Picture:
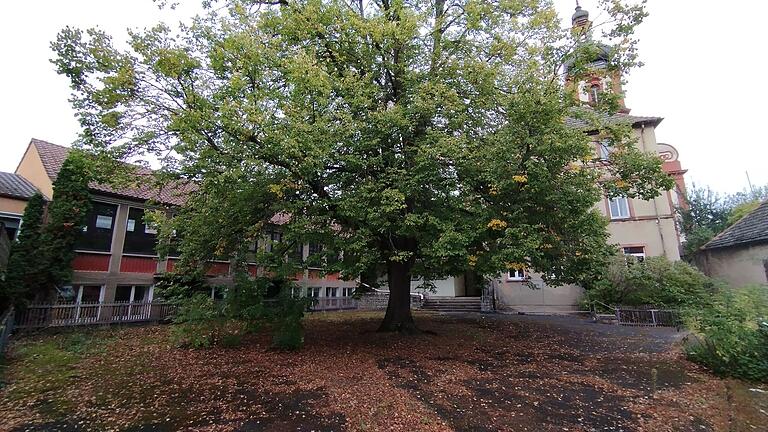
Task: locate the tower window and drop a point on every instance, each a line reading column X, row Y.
column 594, row 93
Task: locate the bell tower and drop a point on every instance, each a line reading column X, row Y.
column 598, row 77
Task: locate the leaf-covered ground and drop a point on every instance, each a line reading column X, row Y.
column 476, row 373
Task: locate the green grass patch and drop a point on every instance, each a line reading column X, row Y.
column 45, row 367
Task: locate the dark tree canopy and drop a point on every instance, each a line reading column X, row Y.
column 424, row 137
column 25, row 271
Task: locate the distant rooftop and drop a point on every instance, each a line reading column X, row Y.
column 752, row 228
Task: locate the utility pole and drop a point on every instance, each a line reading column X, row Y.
column 749, row 182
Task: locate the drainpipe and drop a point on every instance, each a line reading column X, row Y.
column 655, row 206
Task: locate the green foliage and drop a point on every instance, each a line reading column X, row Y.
column 200, row 322
column 428, row 136
column 731, row 334
column 654, row 281
column 285, row 315
column 741, row 210
column 175, row 286
column 709, row 213
column 66, row 217
column 26, row 271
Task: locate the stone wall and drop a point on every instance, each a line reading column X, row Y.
column 376, row 301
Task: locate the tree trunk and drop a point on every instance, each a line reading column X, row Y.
column 398, row 317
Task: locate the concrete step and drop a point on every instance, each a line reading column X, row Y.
column 452, row 304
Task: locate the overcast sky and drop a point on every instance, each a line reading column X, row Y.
column 704, row 72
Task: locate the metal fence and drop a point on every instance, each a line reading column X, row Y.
column 647, row 316
column 72, row 314
column 334, row 303
column 6, row 327
column 643, row 315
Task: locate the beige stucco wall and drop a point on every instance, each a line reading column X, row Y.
column 651, row 223
column 31, row 168
column 12, row 205
column 521, row 297
column 737, row 266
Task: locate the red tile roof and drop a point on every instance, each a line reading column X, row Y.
column 53, row 156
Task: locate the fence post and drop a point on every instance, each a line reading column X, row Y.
column 6, row 327
column 618, row 315
column 653, row 316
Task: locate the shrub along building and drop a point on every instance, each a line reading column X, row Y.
column 116, row 252
column 640, row 228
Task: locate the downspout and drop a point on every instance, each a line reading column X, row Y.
column 655, row 206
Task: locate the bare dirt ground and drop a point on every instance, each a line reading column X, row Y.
column 476, row 373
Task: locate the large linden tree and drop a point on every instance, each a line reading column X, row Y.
column 409, row 138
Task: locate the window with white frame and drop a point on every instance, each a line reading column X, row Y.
column 313, row 292
column 347, row 291
column 619, row 207
column 516, row 275
column 331, row 292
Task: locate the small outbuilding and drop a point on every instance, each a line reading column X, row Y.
column 739, row 255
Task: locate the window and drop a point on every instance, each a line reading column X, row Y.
column 89, row 294
column 296, row 254
column 638, row 252
column 516, row 274
column 273, row 237
column 313, row 292
column 97, row 232
column 594, row 93
column 619, row 208
column 347, row 291
column 12, row 224
column 133, row 293
column 315, row 248
column 331, row 292
column 138, row 238
column 605, row 149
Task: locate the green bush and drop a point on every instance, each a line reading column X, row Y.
column 285, row 314
column 730, row 334
column 199, row 322
column 653, row 281
column 202, row 322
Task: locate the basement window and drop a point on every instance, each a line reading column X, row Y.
column 516, row 275
column 637, row 252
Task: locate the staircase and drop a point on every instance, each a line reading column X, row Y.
column 452, row 304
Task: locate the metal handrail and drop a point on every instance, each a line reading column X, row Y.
column 379, row 291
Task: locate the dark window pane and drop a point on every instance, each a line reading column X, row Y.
column 123, row 293
column 91, row 294
column 97, row 233
column 140, row 293
column 139, row 238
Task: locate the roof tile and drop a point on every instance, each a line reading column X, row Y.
column 752, row 228
column 53, row 156
column 15, row 186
